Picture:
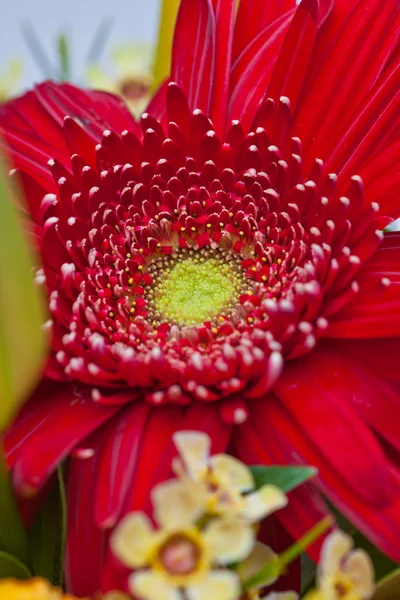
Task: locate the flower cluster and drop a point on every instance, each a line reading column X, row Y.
column 204, row 522
column 343, row 573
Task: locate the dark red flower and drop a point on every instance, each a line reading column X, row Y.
column 221, row 266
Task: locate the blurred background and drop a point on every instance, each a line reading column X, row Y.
column 93, row 32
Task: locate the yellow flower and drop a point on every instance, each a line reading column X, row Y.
column 225, row 479
column 258, row 559
column 187, row 553
column 343, row 573
column 133, row 76
column 34, row 589
column 9, row 80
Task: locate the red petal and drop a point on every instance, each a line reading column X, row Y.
column 118, row 462
column 85, row 542
column 47, row 429
column 345, row 444
column 193, row 55
column 252, row 71
column 381, row 176
column 280, row 434
column 376, row 121
column 375, row 311
column 256, row 445
column 291, row 66
column 224, row 16
column 253, row 17
column 345, row 77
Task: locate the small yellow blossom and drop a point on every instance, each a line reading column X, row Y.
column 187, row 553
column 133, row 76
column 226, row 480
column 34, row 589
column 258, row 559
column 343, row 573
column 9, row 80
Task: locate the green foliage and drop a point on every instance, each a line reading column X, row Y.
column 12, row 567
column 285, row 478
column 63, row 55
column 21, row 312
column 47, row 535
column 13, row 542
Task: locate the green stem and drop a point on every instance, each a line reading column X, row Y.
column 275, row 569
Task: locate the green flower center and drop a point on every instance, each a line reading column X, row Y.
column 195, row 287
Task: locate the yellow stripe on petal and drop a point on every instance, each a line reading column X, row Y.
column 133, row 540
column 162, row 62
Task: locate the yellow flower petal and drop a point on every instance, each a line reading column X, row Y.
column 228, row 540
column 260, row 557
column 178, row 504
column 336, row 546
column 217, row 585
column 194, row 450
column 264, row 502
column 133, row 540
column 360, row 568
column 150, row 586
column 34, row 589
column 233, row 473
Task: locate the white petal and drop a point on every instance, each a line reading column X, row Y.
column 217, row 585
column 178, row 504
column 232, row 473
column 264, row 502
column 194, row 449
column 150, row 586
column 360, row 568
column 228, row 540
column 260, row 557
column 334, row 549
column 132, row 540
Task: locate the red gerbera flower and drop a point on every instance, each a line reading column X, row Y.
column 221, row 266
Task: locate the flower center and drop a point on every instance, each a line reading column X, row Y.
column 195, row 286
column 179, row 555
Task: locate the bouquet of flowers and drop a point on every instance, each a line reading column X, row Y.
column 200, row 315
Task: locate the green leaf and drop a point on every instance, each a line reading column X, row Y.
column 285, row 478
column 22, row 340
column 47, row 535
column 63, row 55
column 12, row 534
column 12, row 567
column 389, row 587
